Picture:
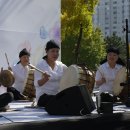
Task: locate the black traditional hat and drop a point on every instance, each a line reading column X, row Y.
column 114, row 50
column 51, row 44
column 24, row 52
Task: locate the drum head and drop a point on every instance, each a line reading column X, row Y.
column 7, row 78
column 70, row 77
column 120, row 78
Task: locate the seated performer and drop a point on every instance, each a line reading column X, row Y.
column 5, row 98
column 20, row 71
column 47, row 84
column 106, row 73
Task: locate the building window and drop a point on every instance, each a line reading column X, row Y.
column 115, row 17
column 114, row 7
column 106, row 28
column 114, row 12
column 106, row 3
column 115, row 22
column 115, row 2
column 114, row 27
column 114, row 32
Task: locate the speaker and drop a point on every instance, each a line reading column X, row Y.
column 75, row 100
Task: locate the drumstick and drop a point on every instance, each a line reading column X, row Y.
column 7, row 60
column 36, row 68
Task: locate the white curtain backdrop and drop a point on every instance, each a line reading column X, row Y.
column 27, row 24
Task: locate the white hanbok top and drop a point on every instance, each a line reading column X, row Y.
column 20, row 74
column 105, row 71
column 51, row 87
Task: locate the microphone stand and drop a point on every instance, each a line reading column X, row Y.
column 127, row 84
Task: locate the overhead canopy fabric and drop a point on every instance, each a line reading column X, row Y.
column 27, row 24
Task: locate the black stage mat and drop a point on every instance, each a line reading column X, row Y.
column 116, row 121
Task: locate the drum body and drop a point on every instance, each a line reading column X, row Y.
column 7, row 78
column 29, row 89
column 76, row 75
column 118, row 90
column 120, row 78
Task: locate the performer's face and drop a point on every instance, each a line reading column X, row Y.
column 24, row 60
column 53, row 54
column 112, row 57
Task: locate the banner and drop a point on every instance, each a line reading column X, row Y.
column 27, row 24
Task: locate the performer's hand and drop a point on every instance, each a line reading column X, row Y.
column 44, row 79
column 100, row 82
column 103, row 80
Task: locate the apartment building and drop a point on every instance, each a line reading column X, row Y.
column 111, row 15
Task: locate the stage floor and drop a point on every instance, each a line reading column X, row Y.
column 22, row 111
column 22, row 114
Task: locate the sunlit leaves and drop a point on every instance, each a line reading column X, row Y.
column 73, row 14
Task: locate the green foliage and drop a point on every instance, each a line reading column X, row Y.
column 74, row 12
column 91, row 51
column 68, row 50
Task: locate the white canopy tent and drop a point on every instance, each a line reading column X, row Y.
column 27, row 24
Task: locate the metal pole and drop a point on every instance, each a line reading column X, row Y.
column 127, row 66
column 127, row 47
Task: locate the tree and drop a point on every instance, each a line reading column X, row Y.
column 91, row 49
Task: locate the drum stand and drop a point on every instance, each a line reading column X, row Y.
column 127, row 84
